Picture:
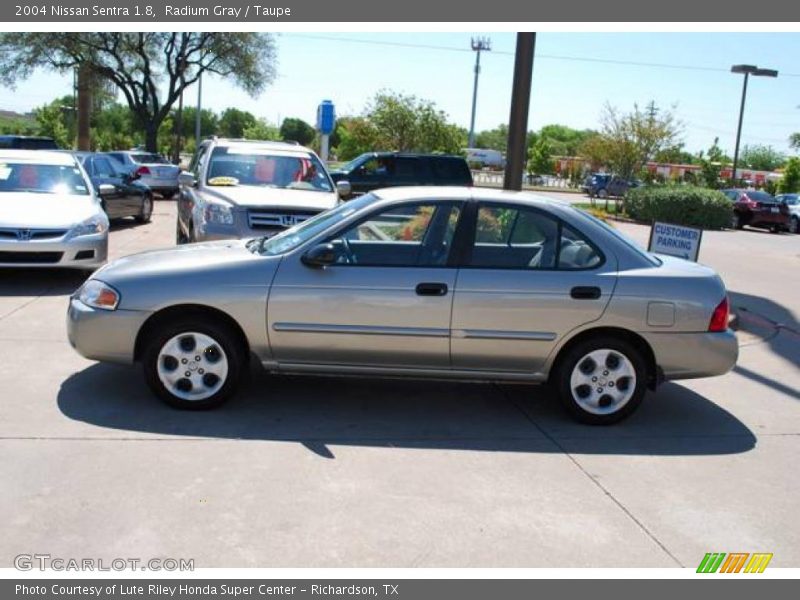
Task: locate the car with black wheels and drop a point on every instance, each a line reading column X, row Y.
column 121, row 194
column 373, row 170
column 754, row 208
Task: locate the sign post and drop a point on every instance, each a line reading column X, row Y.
column 675, row 240
column 326, row 122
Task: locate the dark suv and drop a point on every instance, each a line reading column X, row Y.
column 27, row 142
column 758, row 209
column 604, row 185
column 374, row 170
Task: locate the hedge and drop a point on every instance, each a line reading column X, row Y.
column 680, row 204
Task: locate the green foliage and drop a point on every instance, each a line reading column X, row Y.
column 357, row 135
column 495, row 139
column 563, row 140
column 761, row 158
column 52, row 121
column 261, row 129
column 794, row 140
column 21, row 125
column 682, row 205
column 233, row 122
column 790, row 182
column 540, row 159
column 711, row 164
column 297, row 130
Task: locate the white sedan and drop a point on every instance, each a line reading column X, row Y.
column 50, row 215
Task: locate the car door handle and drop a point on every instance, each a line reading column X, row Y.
column 431, row 289
column 585, row 292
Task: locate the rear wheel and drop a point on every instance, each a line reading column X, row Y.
column 794, row 225
column 602, row 380
column 146, row 212
column 180, row 237
column 194, row 365
column 736, row 221
column 167, row 195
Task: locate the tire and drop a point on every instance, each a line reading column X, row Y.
column 794, row 225
column 736, row 221
column 587, row 360
column 602, row 193
column 211, row 353
column 146, row 212
column 180, row 237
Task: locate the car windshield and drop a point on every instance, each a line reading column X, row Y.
column 41, row 178
column 267, row 168
column 149, row 158
column 347, row 167
column 288, row 240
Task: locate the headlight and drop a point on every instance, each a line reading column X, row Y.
column 218, row 214
column 97, row 294
column 91, row 226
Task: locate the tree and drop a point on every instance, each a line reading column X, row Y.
column 261, row 129
column 494, row 139
column 794, row 140
column 762, row 158
column 629, row 140
column 563, row 140
column 151, row 69
column 356, row 136
column 51, row 121
column 790, row 182
column 297, row 130
column 540, row 159
column 711, row 165
column 233, row 122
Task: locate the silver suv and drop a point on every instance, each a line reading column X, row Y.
column 243, row 188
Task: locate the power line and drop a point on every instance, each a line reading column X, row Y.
column 587, row 59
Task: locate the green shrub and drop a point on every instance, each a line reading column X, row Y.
column 680, row 204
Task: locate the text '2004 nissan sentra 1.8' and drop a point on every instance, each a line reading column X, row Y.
column 424, row 282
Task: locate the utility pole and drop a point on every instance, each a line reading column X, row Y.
column 478, row 45
column 199, row 108
column 518, row 119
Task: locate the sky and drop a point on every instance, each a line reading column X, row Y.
column 575, row 75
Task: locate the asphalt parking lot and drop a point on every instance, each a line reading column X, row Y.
column 367, row 473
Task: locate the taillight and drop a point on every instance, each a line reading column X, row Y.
column 143, row 171
column 719, row 319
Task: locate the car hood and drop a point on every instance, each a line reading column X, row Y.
column 272, row 197
column 45, row 211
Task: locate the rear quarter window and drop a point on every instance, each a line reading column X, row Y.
column 452, row 170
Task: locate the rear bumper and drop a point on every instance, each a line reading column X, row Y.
column 692, row 355
column 85, row 252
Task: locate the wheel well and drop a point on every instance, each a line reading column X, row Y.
column 204, row 313
column 653, row 375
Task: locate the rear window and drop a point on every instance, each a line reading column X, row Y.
column 149, row 158
column 760, row 197
column 23, row 143
column 452, row 169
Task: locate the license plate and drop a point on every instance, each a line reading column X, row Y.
column 774, row 209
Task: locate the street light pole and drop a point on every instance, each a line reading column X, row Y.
column 478, row 45
column 518, row 118
column 746, row 70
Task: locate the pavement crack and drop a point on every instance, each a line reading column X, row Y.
column 591, row 478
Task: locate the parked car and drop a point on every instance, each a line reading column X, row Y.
column 154, row 171
column 27, row 142
column 461, row 283
column 123, row 194
column 239, row 189
column 50, row 215
column 603, row 185
column 374, row 170
column 792, row 202
column 757, row 209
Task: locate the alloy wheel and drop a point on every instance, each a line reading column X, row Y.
column 192, row 366
column 603, row 381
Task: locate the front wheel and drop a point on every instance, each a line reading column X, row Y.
column 194, row 365
column 602, row 380
column 146, row 211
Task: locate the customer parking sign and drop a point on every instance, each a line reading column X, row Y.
column 675, row 240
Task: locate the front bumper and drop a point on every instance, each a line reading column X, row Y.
column 84, row 252
column 692, row 355
column 105, row 335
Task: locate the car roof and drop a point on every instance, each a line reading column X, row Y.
column 42, row 157
column 465, row 193
column 414, row 154
column 262, row 145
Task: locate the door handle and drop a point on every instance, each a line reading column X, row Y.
column 585, row 292
column 431, row 289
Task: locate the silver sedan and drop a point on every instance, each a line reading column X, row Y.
column 422, row 282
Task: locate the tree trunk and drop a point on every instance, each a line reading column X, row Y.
column 151, row 137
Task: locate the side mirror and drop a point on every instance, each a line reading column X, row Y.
column 320, row 255
column 105, row 189
column 344, row 189
column 187, row 178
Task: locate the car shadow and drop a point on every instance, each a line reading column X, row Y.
column 40, row 282
column 325, row 412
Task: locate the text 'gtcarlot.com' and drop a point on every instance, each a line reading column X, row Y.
column 30, row 562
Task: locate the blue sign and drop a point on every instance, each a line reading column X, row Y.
column 326, row 117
